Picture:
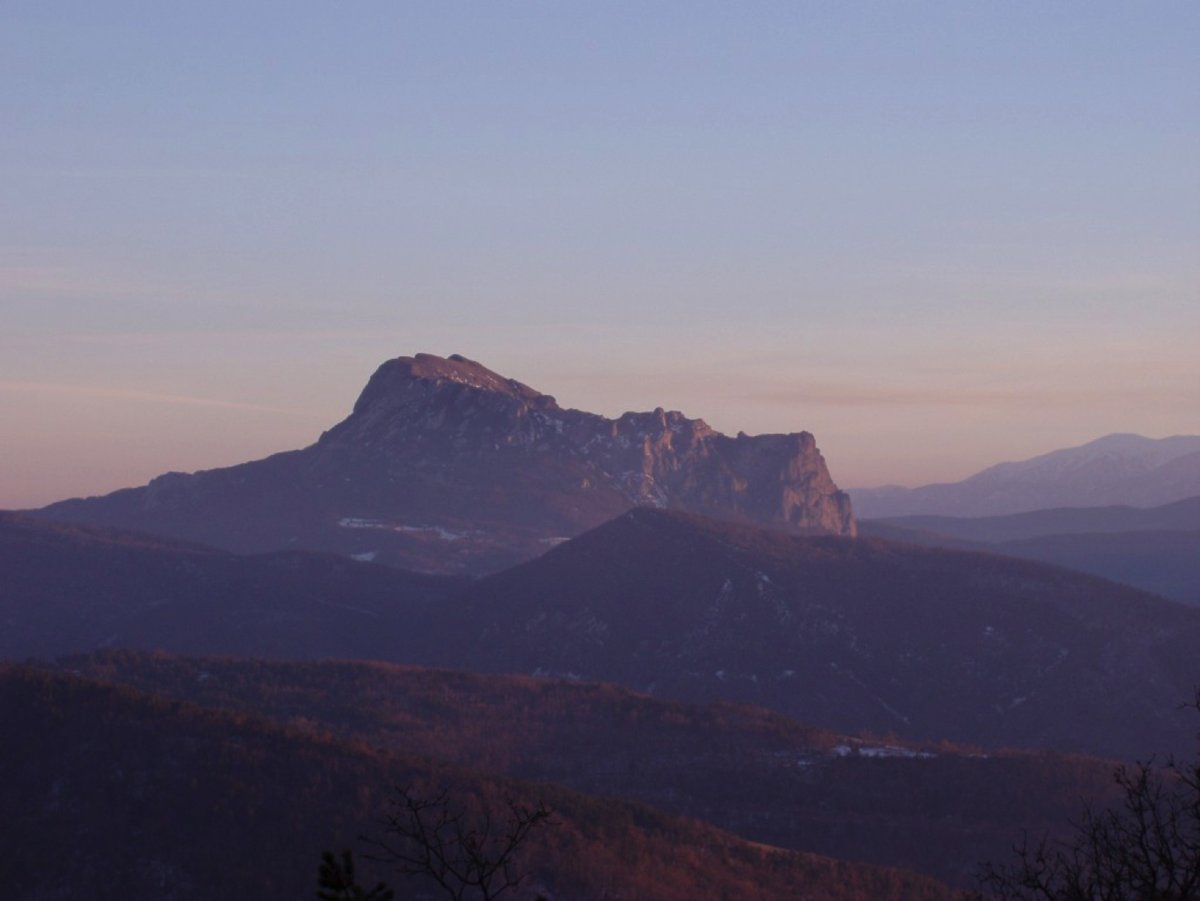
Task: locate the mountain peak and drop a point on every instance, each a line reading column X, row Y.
column 396, row 378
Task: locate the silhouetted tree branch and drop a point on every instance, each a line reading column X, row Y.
column 466, row 855
column 1146, row 848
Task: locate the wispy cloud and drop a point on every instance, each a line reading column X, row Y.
column 851, row 395
column 94, row 391
column 48, row 281
column 139, row 172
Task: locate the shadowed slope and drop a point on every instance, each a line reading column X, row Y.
column 1156, row 549
column 848, row 634
column 69, row 588
column 121, row 795
column 756, row 773
column 851, row 634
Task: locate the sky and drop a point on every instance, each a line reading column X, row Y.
column 936, row 235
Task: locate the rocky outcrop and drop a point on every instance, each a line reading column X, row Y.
column 464, row 412
column 445, row 465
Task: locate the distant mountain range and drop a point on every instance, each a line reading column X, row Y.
column 443, row 465
column 1180, row 516
column 853, row 635
column 1156, row 549
column 1117, row 469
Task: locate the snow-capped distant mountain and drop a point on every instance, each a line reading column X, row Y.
column 1116, row 469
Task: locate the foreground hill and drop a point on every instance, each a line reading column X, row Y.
column 71, row 588
column 446, row 466
column 755, row 773
column 112, row 793
column 852, row 634
column 1116, row 469
column 1156, row 549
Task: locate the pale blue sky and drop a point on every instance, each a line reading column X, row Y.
column 935, row 234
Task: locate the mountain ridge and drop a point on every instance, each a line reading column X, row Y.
column 444, row 465
column 1153, row 548
column 164, row 799
column 1117, row 469
column 850, row 634
column 754, row 772
column 70, row 588
column 1180, row 515
column 925, row 643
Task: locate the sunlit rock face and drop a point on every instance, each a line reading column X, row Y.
column 445, row 465
column 461, row 413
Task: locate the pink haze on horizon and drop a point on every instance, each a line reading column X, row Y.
column 81, row 440
column 937, row 236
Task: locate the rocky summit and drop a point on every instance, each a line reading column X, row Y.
column 444, row 465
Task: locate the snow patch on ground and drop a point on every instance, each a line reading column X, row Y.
column 889, row 751
column 353, row 522
column 883, row 751
column 543, row 672
column 365, row 556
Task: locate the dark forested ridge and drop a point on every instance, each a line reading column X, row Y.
column 851, row 634
column 848, row 634
column 111, row 793
column 68, row 588
column 936, row 809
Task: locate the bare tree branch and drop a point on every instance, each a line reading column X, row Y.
column 1145, row 849
column 467, row 856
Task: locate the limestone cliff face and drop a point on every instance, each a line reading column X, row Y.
column 788, row 482
column 468, row 415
